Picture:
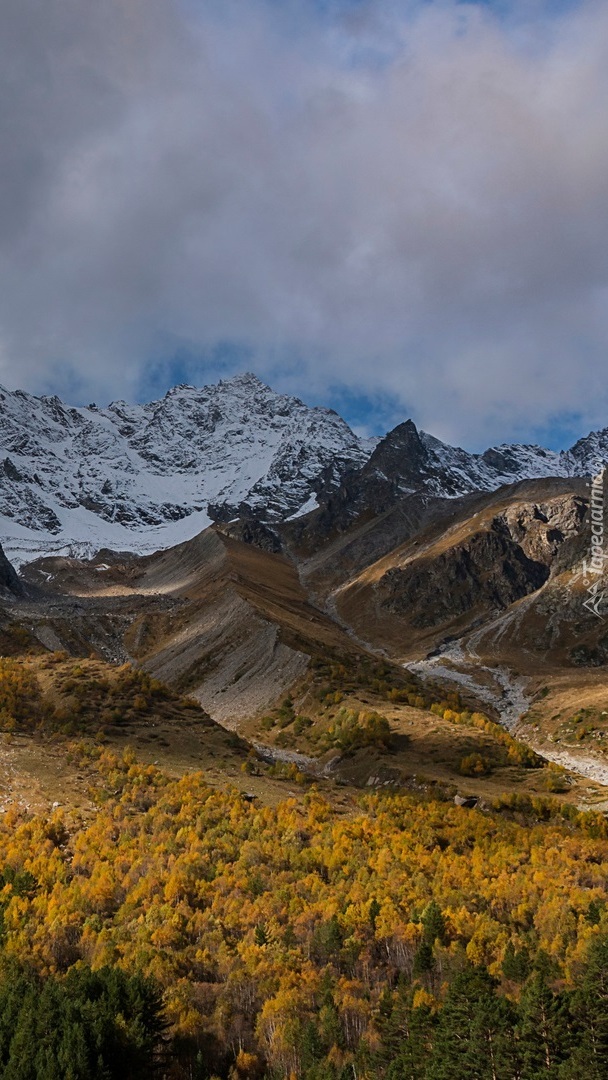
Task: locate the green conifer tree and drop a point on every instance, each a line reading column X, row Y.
column 474, row 1035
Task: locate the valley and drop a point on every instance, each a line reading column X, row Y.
column 307, row 772
column 237, row 619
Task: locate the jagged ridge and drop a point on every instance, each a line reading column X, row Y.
column 408, row 461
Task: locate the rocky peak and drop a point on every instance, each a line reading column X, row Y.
column 140, row 477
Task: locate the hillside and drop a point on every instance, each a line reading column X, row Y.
column 242, row 629
column 462, row 562
column 301, row 941
column 225, row 621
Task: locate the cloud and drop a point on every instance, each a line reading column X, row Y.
column 402, row 200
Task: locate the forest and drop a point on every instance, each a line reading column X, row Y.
column 188, row 932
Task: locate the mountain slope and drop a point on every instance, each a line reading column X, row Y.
column 217, row 618
column 457, row 569
column 481, row 594
column 487, row 594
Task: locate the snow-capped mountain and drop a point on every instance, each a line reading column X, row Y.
column 142, row 477
column 407, row 461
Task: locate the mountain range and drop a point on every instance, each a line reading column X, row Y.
column 143, row 477
column 232, row 542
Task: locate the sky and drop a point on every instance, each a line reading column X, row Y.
column 393, row 207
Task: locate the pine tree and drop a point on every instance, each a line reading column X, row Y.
column 543, row 1029
column 20, row 1062
column 374, row 911
column 589, row 1010
column 433, row 922
column 327, row 941
column 406, row 1038
column 88, row 1026
column 516, row 965
column 474, row 1035
column 260, row 935
column 423, row 959
column 310, row 1046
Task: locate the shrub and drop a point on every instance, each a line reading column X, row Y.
column 474, row 765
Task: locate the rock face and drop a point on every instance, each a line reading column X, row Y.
column 511, row 556
column 9, row 582
column 487, row 572
column 542, row 528
column 463, row 569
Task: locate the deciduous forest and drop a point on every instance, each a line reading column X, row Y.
column 187, row 932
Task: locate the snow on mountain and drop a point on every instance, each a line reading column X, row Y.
column 459, row 472
column 143, row 477
column 589, row 454
column 507, row 464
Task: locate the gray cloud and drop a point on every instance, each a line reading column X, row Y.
column 409, row 199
